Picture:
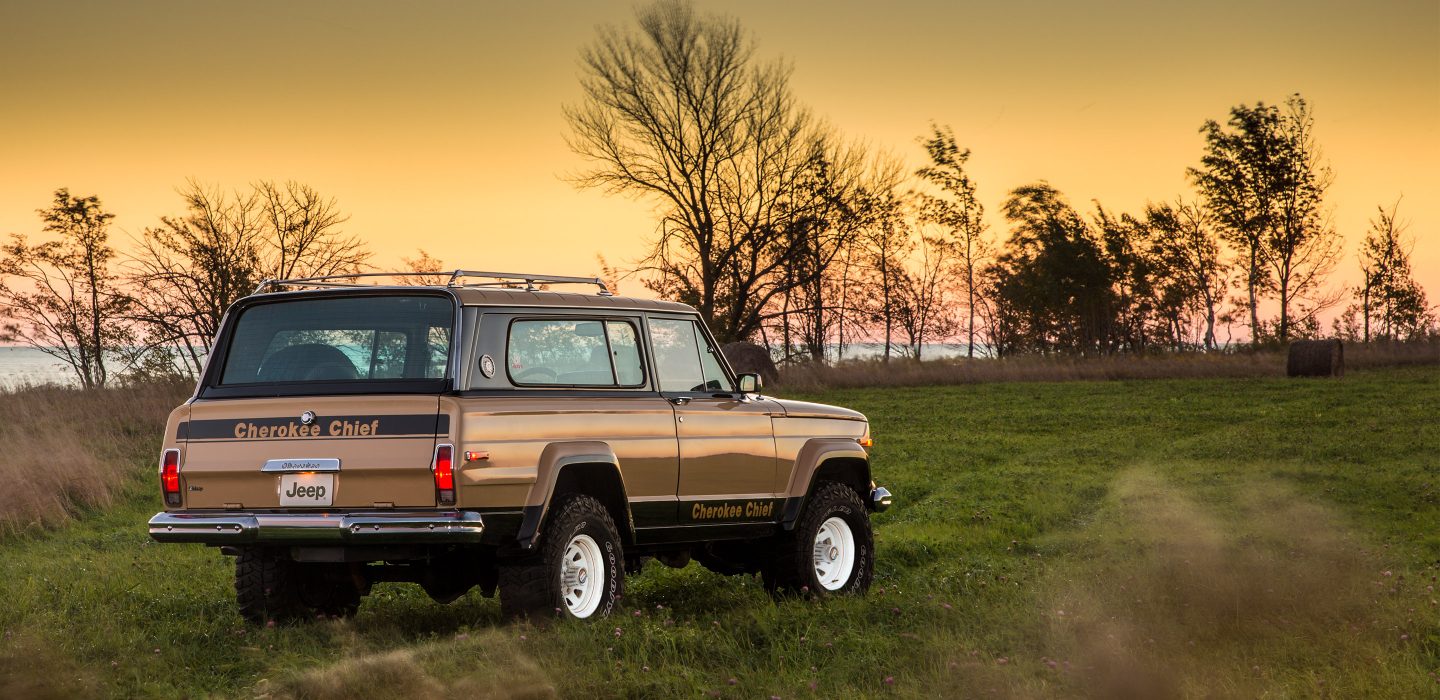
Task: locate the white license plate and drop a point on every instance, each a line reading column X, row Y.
column 307, row 489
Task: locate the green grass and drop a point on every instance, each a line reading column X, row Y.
column 1232, row 537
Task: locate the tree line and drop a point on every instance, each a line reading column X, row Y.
column 155, row 308
column 782, row 231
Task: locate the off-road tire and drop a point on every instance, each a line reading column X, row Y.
column 532, row 587
column 266, row 587
column 793, row 569
column 272, row 588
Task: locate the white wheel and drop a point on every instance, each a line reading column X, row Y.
column 834, row 554
column 582, row 576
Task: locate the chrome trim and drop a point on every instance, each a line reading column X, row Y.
column 302, row 464
column 369, row 527
column 880, row 499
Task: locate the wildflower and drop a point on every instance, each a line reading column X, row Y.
column 946, row 606
column 889, row 680
column 646, row 669
column 618, row 631
column 813, row 686
column 523, row 638
column 638, row 613
column 732, row 681
column 1002, row 661
column 895, row 610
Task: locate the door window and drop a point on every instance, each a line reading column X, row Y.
column 684, row 359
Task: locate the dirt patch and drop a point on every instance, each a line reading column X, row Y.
column 482, row 665
column 1263, row 591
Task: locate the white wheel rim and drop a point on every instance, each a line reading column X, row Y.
column 582, row 576
column 834, row 554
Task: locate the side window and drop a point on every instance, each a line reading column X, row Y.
column 676, row 359
column 625, row 350
column 559, row 352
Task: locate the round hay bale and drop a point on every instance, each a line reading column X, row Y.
column 749, row 358
column 1316, row 358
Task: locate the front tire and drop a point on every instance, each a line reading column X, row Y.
column 831, row 551
column 579, row 571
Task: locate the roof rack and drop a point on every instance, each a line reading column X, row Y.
column 503, row 280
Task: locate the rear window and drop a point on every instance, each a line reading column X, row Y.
column 355, row 339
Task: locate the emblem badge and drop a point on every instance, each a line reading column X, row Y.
column 487, row 366
column 307, row 418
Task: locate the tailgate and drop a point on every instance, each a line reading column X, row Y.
column 357, row 452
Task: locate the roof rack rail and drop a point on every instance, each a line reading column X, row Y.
column 510, row 280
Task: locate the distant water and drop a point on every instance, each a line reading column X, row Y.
column 21, row 366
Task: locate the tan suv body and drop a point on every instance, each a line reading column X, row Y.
column 494, row 434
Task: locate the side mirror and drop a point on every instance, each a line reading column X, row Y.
column 750, row 383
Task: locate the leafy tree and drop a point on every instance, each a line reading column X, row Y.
column 1192, row 272
column 1052, row 283
column 1263, row 182
column 955, row 207
column 1392, row 306
column 680, row 111
column 1238, row 178
column 60, row 296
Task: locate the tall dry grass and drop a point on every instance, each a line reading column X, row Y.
column 65, row 450
column 1262, row 363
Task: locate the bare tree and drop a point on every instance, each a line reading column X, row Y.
column 303, row 237
column 924, row 307
column 680, row 111
column 59, row 296
column 188, row 270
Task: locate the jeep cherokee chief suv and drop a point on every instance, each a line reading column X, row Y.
column 482, row 431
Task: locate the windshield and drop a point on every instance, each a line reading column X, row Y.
column 348, row 339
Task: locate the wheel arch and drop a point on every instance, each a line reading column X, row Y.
column 840, row 460
column 587, row 467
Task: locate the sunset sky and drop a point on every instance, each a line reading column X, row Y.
column 438, row 124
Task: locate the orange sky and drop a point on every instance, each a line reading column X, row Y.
column 438, row 124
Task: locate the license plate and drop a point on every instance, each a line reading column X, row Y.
column 307, row 489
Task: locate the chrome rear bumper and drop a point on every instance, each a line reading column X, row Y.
column 372, row 527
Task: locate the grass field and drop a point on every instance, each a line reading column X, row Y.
column 1219, row 537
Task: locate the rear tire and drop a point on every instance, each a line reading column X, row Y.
column 831, row 551
column 266, row 588
column 270, row 587
column 579, row 571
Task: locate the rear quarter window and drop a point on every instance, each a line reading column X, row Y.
column 574, row 353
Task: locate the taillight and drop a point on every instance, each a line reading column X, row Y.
column 170, row 477
column 444, row 469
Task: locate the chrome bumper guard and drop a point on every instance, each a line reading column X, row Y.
column 880, row 499
column 379, row 527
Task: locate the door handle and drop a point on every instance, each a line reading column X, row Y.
column 680, row 400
